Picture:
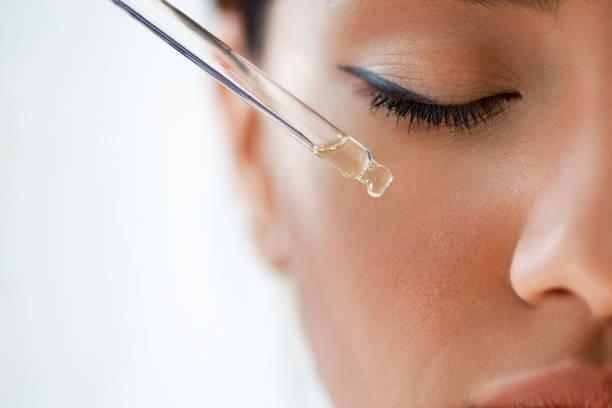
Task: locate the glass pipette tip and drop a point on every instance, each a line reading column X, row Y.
column 242, row 77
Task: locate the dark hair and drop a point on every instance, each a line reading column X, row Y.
column 253, row 12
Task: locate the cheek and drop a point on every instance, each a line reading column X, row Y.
column 386, row 282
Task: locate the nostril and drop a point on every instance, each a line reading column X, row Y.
column 554, row 294
column 559, row 292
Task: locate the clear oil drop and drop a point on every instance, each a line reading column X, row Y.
column 354, row 161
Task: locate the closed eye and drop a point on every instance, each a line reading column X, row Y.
column 418, row 109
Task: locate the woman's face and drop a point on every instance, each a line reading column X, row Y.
column 490, row 255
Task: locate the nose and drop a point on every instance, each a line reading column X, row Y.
column 566, row 241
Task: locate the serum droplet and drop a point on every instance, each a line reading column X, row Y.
column 354, row 161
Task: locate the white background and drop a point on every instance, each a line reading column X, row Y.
column 126, row 275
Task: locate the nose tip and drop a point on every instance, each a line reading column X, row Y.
column 566, row 245
column 557, row 259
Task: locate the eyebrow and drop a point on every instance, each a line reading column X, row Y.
column 544, row 6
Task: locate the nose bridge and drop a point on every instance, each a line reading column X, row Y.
column 585, row 173
column 567, row 238
column 583, row 209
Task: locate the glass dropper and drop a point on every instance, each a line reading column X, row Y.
column 239, row 75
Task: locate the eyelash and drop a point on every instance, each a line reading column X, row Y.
column 461, row 117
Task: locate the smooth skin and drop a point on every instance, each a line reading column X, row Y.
column 490, row 255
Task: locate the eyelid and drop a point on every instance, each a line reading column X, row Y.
column 404, row 103
column 386, row 85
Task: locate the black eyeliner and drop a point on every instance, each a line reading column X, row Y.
column 419, row 109
column 386, row 85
